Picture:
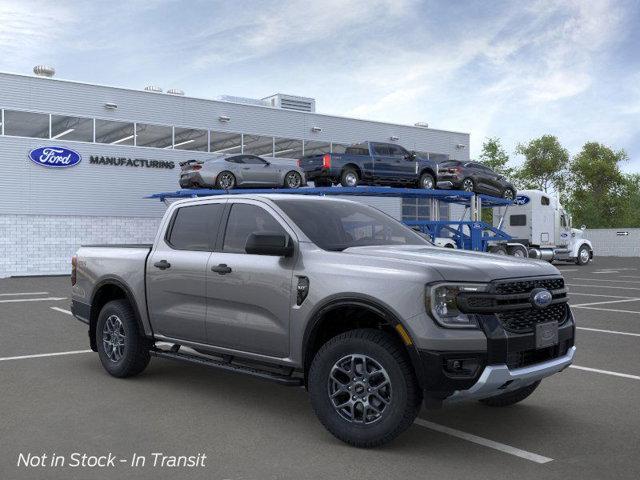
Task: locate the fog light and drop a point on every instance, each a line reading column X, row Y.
column 461, row 366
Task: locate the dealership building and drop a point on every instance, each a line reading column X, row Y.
column 128, row 144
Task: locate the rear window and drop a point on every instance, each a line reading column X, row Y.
column 194, row 228
column 449, row 163
column 517, row 220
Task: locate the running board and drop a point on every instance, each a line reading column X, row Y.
column 229, row 367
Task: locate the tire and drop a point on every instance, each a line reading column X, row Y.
column 322, row 182
column 391, row 372
column 349, row 178
column 508, row 194
column 225, row 180
column 133, row 356
column 468, row 185
column 427, row 182
column 584, row 255
column 519, row 251
column 498, row 250
column 511, row 398
column 292, row 180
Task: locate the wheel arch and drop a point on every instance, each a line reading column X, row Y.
column 105, row 291
column 351, row 312
column 430, row 171
column 355, row 167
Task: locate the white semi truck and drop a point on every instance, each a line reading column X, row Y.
column 540, row 223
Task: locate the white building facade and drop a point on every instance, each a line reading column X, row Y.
column 129, row 144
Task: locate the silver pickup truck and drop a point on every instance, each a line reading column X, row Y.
column 328, row 294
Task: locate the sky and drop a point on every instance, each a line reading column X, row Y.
column 514, row 70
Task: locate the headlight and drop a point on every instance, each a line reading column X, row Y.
column 442, row 303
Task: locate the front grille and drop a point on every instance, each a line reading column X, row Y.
column 525, row 286
column 522, row 321
column 531, row 357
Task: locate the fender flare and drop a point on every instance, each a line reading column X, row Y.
column 93, row 315
column 369, row 303
column 578, row 245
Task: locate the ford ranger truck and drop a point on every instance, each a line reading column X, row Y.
column 333, row 295
column 371, row 163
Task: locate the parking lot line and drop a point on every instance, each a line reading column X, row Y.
column 606, row 309
column 16, row 300
column 609, row 331
column 40, row 355
column 607, row 280
column 606, row 302
column 602, row 286
column 606, row 372
column 533, row 457
column 22, row 293
column 61, row 310
column 597, row 295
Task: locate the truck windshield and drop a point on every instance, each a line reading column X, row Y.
column 336, row 225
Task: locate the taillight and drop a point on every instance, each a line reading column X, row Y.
column 196, row 167
column 74, row 264
column 299, row 162
column 326, row 160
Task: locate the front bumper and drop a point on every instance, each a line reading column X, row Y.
column 499, row 379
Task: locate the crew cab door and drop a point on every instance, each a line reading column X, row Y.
column 177, row 272
column 249, row 296
column 403, row 165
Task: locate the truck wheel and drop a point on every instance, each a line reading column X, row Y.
column 519, row 251
column 584, row 255
column 427, row 181
column 363, row 388
column 508, row 194
column 498, row 250
column 122, row 349
column 225, row 180
column 349, row 178
column 511, row 398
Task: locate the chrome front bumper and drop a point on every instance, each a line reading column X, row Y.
column 498, row 379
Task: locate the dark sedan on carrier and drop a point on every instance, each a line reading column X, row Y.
column 230, row 171
column 474, row 177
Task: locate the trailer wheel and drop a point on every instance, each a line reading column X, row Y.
column 498, row 250
column 349, row 178
column 519, row 251
column 584, row 255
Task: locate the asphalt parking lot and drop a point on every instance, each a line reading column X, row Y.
column 582, row 423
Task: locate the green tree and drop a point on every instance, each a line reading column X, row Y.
column 631, row 198
column 599, row 192
column 495, row 157
column 545, row 165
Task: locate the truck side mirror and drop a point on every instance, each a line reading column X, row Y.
column 583, row 227
column 273, row 244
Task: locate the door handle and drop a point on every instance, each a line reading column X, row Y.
column 221, row 269
column 162, row 265
column 246, row 168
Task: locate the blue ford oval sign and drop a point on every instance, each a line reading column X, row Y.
column 521, row 200
column 56, row 157
column 541, row 298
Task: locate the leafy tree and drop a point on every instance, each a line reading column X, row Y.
column 545, row 164
column 495, row 157
column 631, row 199
column 599, row 193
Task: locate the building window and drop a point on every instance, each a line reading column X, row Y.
column 420, row 209
column 114, row 133
column 316, row 148
column 72, row 128
column 157, row 136
column 287, row 148
column 26, row 124
column 225, row 142
column 190, row 139
column 258, row 145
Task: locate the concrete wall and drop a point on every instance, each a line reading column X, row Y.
column 610, row 242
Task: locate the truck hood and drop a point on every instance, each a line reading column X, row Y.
column 458, row 265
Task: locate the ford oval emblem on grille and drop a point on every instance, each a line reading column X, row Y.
column 56, row 157
column 541, row 298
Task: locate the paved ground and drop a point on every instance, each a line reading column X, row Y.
column 583, row 423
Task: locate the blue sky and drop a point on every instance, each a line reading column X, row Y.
column 514, row 69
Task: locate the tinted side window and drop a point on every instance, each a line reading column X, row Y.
column 517, row 220
column 194, row 228
column 244, row 220
column 544, row 200
column 235, row 159
column 250, row 159
column 381, row 149
column 397, row 151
